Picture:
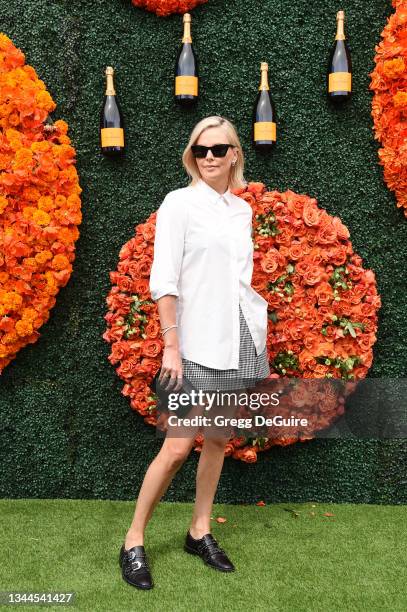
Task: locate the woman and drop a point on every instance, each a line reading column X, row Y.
column 213, row 324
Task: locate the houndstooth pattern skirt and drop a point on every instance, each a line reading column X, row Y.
column 252, row 367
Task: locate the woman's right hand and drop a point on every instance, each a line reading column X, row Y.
column 171, row 369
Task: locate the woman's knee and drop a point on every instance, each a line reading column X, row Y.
column 216, row 440
column 176, row 451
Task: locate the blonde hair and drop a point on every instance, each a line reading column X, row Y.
column 236, row 178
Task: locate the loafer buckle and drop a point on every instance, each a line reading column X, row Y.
column 135, row 565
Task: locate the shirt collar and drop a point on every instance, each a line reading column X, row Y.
column 212, row 194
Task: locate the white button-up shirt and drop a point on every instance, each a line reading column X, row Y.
column 203, row 254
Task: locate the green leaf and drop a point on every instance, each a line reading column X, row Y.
column 350, row 328
column 273, row 316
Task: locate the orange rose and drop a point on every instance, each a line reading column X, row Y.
column 152, row 329
column 148, row 231
column 119, row 351
column 324, row 293
column 295, row 328
column 367, row 310
column 295, row 251
column 256, row 188
column 326, row 232
column 124, row 283
column 259, row 281
column 286, row 440
column 151, row 348
column 355, row 295
column 338, row 255
column 270, row 261
column 249, row 455
column 285, row 237
column 311, row 215
column 366, row 341
column 312, row 275
column 249, row 198
column 128, row 367
column 341, row 229
column 342, row 308
column 306, row 359
column 141, row 288
column 143, row 266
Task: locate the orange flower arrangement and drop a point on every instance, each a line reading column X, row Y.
column 163, row 8
column 389, row 104
column 39, row 203
column 322, row 308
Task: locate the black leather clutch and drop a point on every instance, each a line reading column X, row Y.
column 163, row 395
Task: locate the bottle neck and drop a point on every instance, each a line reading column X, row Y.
column 187, row 33
column 264, row 82
column 340, row 33
column 110, row 91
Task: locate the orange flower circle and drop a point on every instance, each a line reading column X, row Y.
column 37, row 170
column 163, row 8
column 389, row 103
column 322, row 308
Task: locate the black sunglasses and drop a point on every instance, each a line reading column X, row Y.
column 218, row 150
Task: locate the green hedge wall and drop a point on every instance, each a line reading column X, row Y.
column 66, row 431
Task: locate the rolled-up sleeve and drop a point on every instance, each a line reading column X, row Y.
column 170, row 230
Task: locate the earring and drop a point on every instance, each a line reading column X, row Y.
column 234, row 162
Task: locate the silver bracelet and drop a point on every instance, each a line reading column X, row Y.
column 163, row 329
column 167, row 328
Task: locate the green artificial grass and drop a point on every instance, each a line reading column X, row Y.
column 285, row 557
column 66, row 430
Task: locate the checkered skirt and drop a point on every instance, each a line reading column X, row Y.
column 252, row 367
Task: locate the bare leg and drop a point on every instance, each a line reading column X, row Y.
column 207, row 479
column 208, row 474
column 158, row 477
column 161, row 471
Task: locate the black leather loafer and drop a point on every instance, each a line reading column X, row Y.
column 208, row 549
column 135, row 569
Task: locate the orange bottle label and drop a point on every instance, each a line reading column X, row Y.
column 112, row 137
column 186, row 86
column 265, row 130
column 340, row 81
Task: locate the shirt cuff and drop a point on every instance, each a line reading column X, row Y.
column 169, row 290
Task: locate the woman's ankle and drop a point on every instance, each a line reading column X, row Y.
column 198, row 532
column 133, row 538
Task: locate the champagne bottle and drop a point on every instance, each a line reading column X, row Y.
column 111, row 120
column 264, row 115
column 339, row 74
column 186, row 69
